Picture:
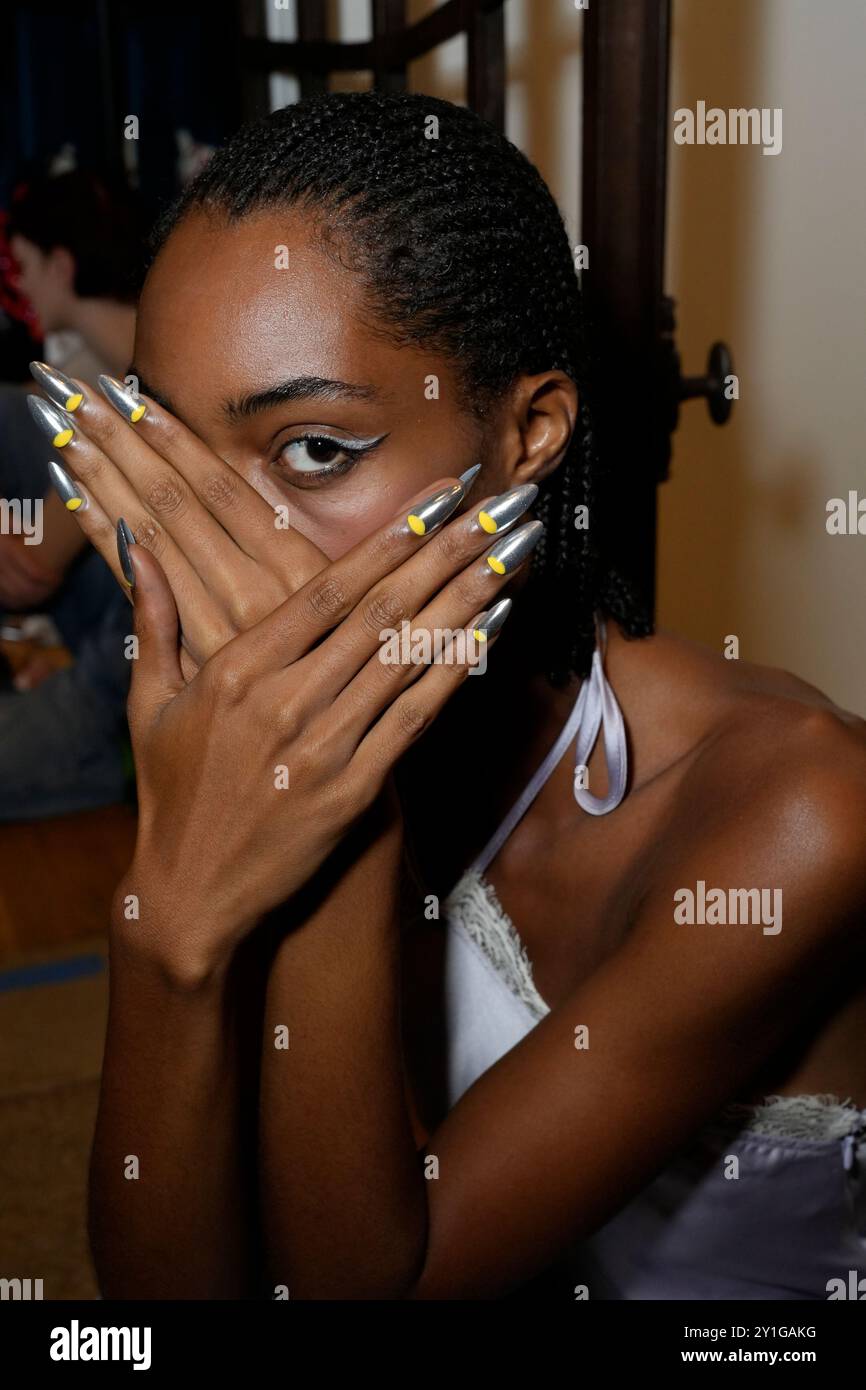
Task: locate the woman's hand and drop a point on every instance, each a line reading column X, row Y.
column 228, row 555
column 250, row 775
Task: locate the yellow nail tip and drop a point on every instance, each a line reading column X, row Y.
column 485, row 520
column 74, row 402
column 416, row 524
column 496, row 565
column 126, row 582
column 137, row 414
column 73, row 504
column 62, row 439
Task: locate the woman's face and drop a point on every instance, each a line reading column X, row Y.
column 255, row 359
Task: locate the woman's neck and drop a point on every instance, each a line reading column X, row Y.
column 108, row 329
column 463, row 778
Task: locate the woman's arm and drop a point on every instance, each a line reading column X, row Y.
column 343, row 1212
column 553, row 1139
column 172, row 1175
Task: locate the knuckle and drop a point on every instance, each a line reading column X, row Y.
column 327, row 599
column 165, row 495
column 86, row 465
column 219, row 490
column 228, row 682
column 454, row 545
column 465, row 588
column 108, row 428
column 169, row 432
column 149, row 534
column 385, row 608
column 244, row 610
column 411, row 718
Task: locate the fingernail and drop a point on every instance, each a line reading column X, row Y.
column 468, row 478
column 51, row 421
column 69, row 495
column 125, row 539
column 435, row 509
column 490, row 622
column 506, row 555
column 62, row 391
column 131, row 406
column 507, row 507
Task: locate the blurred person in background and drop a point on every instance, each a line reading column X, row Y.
column 75, row 243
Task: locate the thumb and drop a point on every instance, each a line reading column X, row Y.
column 156, row 672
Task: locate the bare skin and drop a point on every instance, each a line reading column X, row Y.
column 741, row 776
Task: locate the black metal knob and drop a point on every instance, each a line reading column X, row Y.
column 714, row 386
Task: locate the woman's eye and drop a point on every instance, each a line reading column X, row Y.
column 317, row 454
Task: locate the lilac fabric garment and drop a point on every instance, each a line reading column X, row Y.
column 793, row 1219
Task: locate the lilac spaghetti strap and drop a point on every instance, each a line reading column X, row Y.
column 595, row 706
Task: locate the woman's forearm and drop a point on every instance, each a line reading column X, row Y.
column 343, row 1202
column 172, row 1179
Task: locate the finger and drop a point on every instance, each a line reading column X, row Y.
column 434, row 591
column 157, row 676
column 97, row 527
column 127, row 475
column 412, row 713
column 252, row 523
column 365, row 579
column 403, row 653
column 204, row 621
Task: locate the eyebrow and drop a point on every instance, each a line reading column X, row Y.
column 296, row 388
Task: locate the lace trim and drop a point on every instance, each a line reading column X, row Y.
column 473, row 904
column 798, row 1117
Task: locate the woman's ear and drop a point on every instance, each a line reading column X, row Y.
column 539, row 423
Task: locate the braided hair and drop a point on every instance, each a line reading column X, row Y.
column 460, row 248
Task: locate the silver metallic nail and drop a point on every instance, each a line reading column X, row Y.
column 486, row 624
column 506, row 555
column 125, row 539
column 62, row 391
column 435, row 509
column 468, row 478
column 56, row 424
column 68, row 493
column 131, row 406
column 506, row 508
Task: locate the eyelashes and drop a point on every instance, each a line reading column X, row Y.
column 316, row 456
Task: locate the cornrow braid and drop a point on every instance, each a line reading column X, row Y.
column 460, row 248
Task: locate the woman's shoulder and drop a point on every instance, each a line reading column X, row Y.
column 771, row 772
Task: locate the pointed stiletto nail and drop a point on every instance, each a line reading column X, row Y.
column 131, row 406
column 468, row 478
column 435, row 509
column 486, row 624
column 51, row 421
column 506, row 555
column 68, row 493
column 125, row 539
column 62, row 391
column 507, row 507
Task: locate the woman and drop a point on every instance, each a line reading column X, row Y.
column 78, row 243
column 349, row 318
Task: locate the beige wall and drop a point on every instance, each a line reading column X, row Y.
column 768, row 253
